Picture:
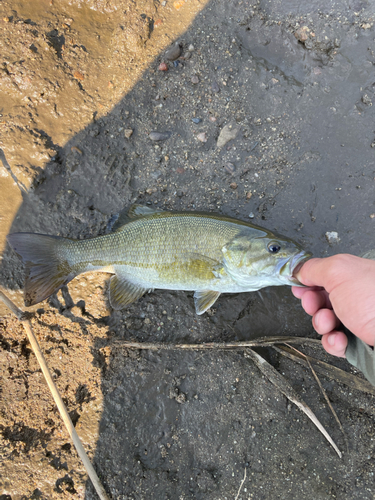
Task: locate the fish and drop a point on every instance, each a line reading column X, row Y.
column 150, row 249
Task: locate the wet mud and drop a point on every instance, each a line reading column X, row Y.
column 83, row 87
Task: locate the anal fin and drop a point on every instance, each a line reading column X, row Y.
column 123, row 292
column 204, row 300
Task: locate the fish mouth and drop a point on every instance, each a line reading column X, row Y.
column 291, row 266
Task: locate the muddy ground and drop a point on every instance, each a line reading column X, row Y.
column 80, row 91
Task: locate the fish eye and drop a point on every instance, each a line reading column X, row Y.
column 273, row 247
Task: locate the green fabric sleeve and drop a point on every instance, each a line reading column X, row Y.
column 361, row 355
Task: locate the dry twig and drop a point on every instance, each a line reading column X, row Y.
column 263, row 341
column 239, row 489
column 281, row 383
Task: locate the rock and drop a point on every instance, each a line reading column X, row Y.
column 78, row 75
column 366, row 100
column 251, row 215
column 194, row 79
column 196, row 120
column 128, row 132
column 173, row 52
column 159, row 136
column 228, row 133
column 215, row 86
column 178, row 4
column 233, row 185
column 163, row 67
column 202, row 137
column 191, row 48
column 302, row 34
column 249, row 194
column 332, row 237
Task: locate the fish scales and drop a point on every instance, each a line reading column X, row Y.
column 207, row 253
column 159, row 250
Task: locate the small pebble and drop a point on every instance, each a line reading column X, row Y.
column 128, row 132
column 215, row 87
column 178, row 4
column 230, row 168
column 302, row 34
column 194, row 79
column 332, row 237
column 227, row 133
column 212, row 118
column 233, row 185
column 366, row 100
column 191, row 48
column 160, row 136
column 78, row 76
column 163, row 67
column 173, row 52
column 249, row 194
column 196, row 120
column 158, row 23
column 202, row 137
column 372, row 216
column 251, row 215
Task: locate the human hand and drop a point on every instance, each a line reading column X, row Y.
column 341, row 292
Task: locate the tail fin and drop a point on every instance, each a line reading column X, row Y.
column 46, row 270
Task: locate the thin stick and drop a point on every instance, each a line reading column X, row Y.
column 330, row 371
column 322, row 390
column 217, row 345
column 283, row 385
column 56, row 396
column 239, row 489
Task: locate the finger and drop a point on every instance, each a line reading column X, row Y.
column 335, row 343
column 313, row 272
column 298, row 291
column 325, row 321
column 313, row 301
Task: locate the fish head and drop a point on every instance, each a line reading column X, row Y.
column 259, row 258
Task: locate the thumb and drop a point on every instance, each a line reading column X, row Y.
column 314, row 272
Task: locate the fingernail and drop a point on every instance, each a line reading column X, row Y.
column 331, row 339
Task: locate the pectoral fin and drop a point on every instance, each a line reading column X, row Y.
column 122, row 292
column 204, row 300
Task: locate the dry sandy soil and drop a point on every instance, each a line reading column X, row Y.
column 80, row 92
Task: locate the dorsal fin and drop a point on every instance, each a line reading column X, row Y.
column 129, row 214
column 142, row 211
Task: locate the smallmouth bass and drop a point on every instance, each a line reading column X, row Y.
column 149, row 248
